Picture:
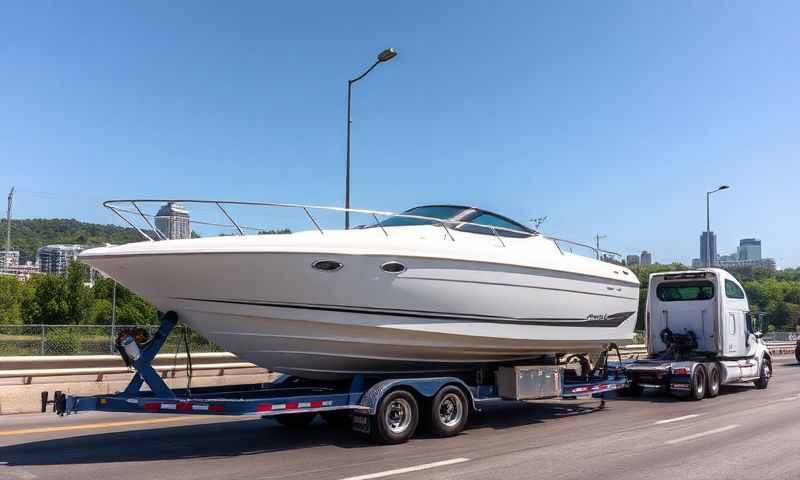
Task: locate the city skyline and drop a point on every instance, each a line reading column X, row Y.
column 121, row 106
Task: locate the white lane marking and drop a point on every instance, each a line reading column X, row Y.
column 677, row 419
column 701, row 434
column 416, row 468
column 789, row 399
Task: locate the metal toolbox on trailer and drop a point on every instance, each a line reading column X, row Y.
column 529, row 382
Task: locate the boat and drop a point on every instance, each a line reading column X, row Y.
column 436, row 288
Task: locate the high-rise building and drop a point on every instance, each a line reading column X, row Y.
column 172, row 220
column 708, row 248
column 56, row 258
column 697, row 263
column 749, row 249
column 8, row 259
column 647, row 258
column 632, row 260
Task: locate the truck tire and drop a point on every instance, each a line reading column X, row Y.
column 698, row 383
column 797, row 352
column 295, row 420
column 714, row 382
column 396, row 419
column 764, row 374
column 449, row 412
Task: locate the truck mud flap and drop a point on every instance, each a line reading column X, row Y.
column 361, row 423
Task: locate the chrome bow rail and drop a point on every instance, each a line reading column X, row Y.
column 123, row 208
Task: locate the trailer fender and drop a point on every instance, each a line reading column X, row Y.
column 424, row 387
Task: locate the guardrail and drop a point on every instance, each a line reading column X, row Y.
column 27, row 367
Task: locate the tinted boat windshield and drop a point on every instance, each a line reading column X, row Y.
column 457, row 218
column 443, row 212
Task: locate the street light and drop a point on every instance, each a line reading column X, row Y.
column 384, row 56
column 708, row 222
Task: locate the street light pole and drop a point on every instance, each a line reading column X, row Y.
column 384, row 56
column 708, row 222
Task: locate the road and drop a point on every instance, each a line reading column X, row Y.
column 744, row 433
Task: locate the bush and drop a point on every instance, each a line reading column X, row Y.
column 62, row 341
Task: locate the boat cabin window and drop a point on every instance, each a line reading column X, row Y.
column 732, row 290
column 685, row 291
column 491, row 220
column 442, row 212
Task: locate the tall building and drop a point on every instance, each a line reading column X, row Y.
column 8, row 259
column 749, row 249
column 172, row 220
column 708, row 248
column 647, row 258
column 56, row 258
column 632, row 260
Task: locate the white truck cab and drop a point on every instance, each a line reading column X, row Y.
column 700, row 335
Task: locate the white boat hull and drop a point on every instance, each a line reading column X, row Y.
column 440, row 314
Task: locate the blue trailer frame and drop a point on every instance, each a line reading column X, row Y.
column 360, row 396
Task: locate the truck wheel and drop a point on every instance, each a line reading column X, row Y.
column 396, row 419
column 797, row 352
column 295, row 420
column 764, row 375
column 714, row 382
column 698, row 379
column 449, row 412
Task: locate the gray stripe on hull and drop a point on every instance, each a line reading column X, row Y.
column 606, row 321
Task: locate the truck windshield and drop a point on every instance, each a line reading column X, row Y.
column 685, row 291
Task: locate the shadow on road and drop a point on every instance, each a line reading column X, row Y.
column 224, row 439
column 247, row 437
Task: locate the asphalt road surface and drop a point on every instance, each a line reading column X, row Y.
column 744, row 433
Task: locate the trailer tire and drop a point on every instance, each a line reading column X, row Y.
column 449, row 412
column 714, row 382
column 764, row 374
column 698, row 385
column 396, row 419
column 295, row 420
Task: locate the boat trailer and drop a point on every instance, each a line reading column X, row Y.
column 358, row 401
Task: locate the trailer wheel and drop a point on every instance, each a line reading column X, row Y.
column 295, row 420
column 714, row 382
column 698, row 390
column 764, row 374
column 449, row 412
column 397, row 418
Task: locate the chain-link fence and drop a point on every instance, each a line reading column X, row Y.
column 87, row 339
column 781, row 336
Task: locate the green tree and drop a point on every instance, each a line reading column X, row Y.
column 49, row 303
column 14, row 295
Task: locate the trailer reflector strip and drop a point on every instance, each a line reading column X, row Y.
column 183, row 407
column 268, row 407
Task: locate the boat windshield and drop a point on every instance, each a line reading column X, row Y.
column 443, row 212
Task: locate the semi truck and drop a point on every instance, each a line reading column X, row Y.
column 700, row 335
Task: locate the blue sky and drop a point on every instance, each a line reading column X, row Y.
column 610, row 117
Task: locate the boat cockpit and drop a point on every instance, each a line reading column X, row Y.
column 460, row 218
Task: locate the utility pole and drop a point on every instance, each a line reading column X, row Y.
column 597, row 239
column 7, row 255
